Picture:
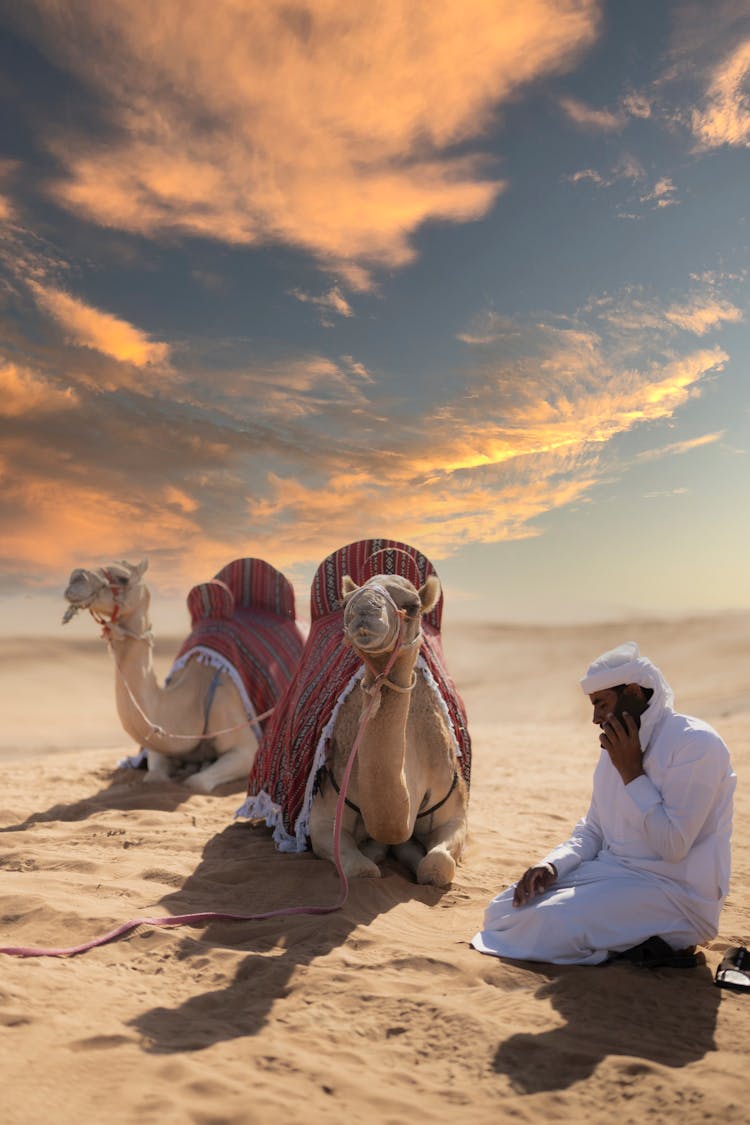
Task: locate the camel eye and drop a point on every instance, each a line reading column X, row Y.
column 122, row 579
column 412, row 609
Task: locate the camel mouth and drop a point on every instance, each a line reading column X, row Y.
column 367, row 640
column 83, row 588
column 79, row 596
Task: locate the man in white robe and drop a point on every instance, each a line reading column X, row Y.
column 651, row 857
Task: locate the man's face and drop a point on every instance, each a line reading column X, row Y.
column 615, row 701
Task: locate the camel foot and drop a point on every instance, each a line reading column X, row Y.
column 159, row 767
column 360, row 867
column 156, row 777
column 437, row 869
column 198, row 783
column 374, row 851
column 233, row 765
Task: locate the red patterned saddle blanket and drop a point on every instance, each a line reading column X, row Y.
column 293, row 746
column 243, row 622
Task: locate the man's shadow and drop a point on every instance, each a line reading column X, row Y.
column 242, row 872
column 665, row 1016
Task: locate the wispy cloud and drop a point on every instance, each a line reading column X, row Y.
column 663, row 193
column 702, row 314
column 291, row 460
column 87, row 327
column 627, row 167
column 680, row 447
column 346, row 157
column 724, row 118
column 333, row 301
column 24, row 392
column 588, row 117
column 699, row 312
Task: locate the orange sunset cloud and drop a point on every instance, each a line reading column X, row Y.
column 23, row 392
column 329, row 127
column 88, row 327
column 725, row 118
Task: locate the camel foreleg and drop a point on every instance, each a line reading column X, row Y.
column 443, row 845
column 159, row 766
column 322, row 817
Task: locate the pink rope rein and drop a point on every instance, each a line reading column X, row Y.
column 220, row 916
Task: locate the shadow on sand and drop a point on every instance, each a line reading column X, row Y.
column 666, row 1016
column 241, row 872
column 123, row 789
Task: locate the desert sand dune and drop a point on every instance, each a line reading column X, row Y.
column 380, row 1012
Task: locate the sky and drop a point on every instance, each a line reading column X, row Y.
column 277, row 275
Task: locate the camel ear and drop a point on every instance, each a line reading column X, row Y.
column 139, row 569
column 430, row 593
column 348, row 586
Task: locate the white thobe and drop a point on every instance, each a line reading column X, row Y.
column 649, row 858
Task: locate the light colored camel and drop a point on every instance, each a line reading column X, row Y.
column 169, row 721
column 405, row 783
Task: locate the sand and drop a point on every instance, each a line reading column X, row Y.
column 380, row 1012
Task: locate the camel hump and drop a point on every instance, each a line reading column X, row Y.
column 255, row 584
column 210, row 600
column 362, row 560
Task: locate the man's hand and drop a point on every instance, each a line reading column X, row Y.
column 534, row 881
column 621, row 741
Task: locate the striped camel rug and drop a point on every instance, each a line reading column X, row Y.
column 244, row 623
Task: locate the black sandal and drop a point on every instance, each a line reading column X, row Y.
column 734, row 970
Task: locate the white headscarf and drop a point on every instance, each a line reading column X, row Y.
column 625, row 665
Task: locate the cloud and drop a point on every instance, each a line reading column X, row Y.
column 637, row 105
column 701, row 315
column 634, row 104
column 290, row 459
column 659, row 493
column 520, row 441
column 339, row 129
column 87, row 327
column 628, row 167
column 597, row 120
column 636, row 311
column 333, row 301
column 488, row 328
column 24, row 392
column 725, row 116
column 676, row 448
column 662, row 193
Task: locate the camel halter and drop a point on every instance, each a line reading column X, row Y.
column 220, row 916
column 394, row 644
column 108, row 624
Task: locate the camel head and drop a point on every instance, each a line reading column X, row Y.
column 374, row 611
column 109, row 591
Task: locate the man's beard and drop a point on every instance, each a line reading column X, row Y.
column 630, row 704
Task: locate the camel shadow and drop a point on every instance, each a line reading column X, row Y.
column 124, row 789
column 663, row 1016
column 241, row 872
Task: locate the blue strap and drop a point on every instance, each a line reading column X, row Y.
column 210, row 697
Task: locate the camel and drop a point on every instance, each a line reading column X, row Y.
column 206, row 711
column 406, row 790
